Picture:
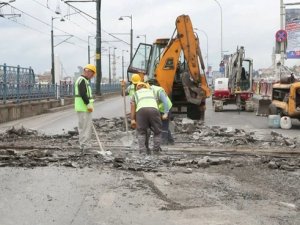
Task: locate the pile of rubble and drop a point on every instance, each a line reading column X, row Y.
column 29, row 148
column 186, row 131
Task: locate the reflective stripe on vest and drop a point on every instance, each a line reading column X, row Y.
column 157, row 90
column 145, row 98
column 79, row 104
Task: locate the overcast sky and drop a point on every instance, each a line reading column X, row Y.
column 26, row 40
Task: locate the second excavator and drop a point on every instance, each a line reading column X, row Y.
column 236, row 86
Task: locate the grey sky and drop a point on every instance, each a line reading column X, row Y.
column 252, row 24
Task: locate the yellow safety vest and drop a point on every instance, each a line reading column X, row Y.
column 157, row 90
column 145, row 98
column 79, row 104
column 131, row 90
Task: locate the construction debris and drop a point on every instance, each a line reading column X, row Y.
column 196, row 146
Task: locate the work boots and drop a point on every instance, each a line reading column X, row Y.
column 157, row 151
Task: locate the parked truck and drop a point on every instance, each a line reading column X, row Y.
column 176, row 64
column 236, row 86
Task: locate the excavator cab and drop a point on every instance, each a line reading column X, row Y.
column 140, row 61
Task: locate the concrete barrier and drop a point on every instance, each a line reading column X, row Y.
column 11, row 111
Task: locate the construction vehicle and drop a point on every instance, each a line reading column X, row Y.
column 176, row 64
column 236, row 86
column 285, row 100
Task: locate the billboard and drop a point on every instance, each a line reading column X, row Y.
column 292, row 27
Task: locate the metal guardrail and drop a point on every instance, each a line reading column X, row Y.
column 17, row 85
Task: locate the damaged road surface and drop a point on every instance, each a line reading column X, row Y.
column 212, row 175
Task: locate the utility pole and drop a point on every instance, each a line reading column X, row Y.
column 89, row 50
column 98, row 48
column 114, row 66
column 109, row 68
column 98, row 37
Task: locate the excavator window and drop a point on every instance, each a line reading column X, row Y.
column 280, row 94
column 169, row 65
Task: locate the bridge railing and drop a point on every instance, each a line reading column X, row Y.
column 21, row 93
column 17, row 85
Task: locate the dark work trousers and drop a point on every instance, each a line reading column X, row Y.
column 148, row 118
column 166, row 136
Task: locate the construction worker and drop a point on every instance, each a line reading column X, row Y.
column 145, row 115
column 164, row 106
column 84, row 106
column 130, row 90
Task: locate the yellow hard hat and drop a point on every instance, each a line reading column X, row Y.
column 91, row 67
column 135, row 78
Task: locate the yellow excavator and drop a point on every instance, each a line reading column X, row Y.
column 176, row 64
column 286, row 98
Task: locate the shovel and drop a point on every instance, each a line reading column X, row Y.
column 102, row 151
column 127, row 139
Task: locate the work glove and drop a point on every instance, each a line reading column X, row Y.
column 164, row 116
column 133, row 124
column 90, row 107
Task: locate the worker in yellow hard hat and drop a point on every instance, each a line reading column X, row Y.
column 130, row 90
column 145, row 115
column 84, row 106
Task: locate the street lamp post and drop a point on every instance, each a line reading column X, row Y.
column 52, row 54
column 89, row 50
column 109, row 63
column 109, row 66
column 206, row 46
column 52, row 50
column 131, row 34
column 123, row 91
column 123, row 75
column 221, row 27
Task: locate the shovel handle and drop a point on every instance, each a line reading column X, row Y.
column 96, row 134
column 124, row 103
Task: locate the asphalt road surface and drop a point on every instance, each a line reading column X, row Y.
column 242, row 190
column 63, row 121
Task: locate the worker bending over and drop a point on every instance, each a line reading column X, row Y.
column 145, row 115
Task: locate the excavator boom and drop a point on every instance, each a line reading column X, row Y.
column 189, row 44
column 192, row 53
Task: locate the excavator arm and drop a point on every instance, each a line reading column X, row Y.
column 189, row 43
column 235, row 72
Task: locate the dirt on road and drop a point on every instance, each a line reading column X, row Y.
column 212, row 175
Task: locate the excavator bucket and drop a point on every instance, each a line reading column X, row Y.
column 263, row 106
